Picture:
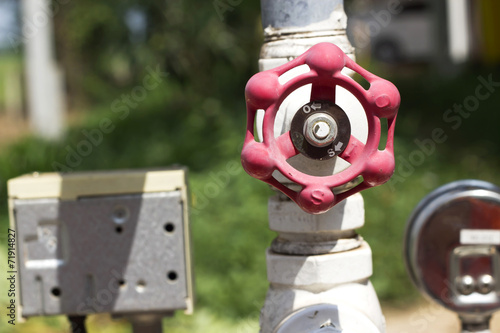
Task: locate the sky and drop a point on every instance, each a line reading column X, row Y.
column 8, row 21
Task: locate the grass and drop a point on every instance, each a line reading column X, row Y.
column 203, row 321
column 11, row 65
column 229, row 229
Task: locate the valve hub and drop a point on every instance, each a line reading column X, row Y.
column 320, row 130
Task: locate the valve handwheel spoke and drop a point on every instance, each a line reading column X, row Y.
column 322, row 92
column 320, row 129
column 285, row 145
column 353, row 150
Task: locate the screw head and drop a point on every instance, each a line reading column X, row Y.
column 465, row 284
column 320, row 129
column 485, row 284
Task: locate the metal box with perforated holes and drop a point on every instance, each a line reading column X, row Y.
column 114, row 242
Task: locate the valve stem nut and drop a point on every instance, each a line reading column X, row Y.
column 320, row 129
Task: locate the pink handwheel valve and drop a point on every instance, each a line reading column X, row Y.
column 320, row 129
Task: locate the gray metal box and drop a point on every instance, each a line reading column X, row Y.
column 115, row 242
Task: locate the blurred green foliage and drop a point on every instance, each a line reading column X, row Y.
column 205, row 50
column 196, row 117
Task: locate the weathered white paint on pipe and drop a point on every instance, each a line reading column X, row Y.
column 303, row 15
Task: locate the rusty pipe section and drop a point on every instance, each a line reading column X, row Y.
column 292, row 26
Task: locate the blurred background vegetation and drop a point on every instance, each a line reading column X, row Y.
column 196, row 117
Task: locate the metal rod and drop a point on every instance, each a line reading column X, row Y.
column 147, row 324
column 77, row 324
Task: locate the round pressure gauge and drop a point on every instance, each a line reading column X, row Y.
column 452, row 247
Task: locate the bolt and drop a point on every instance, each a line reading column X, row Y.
column 485, row 284
column 320, row 129
column 465, row 284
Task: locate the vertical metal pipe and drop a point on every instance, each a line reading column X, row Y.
column 302, row 15
column 293, row 26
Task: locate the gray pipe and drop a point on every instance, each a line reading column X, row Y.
column 303, row 15
column 291, row 27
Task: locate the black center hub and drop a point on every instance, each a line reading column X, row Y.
column 326, row 152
